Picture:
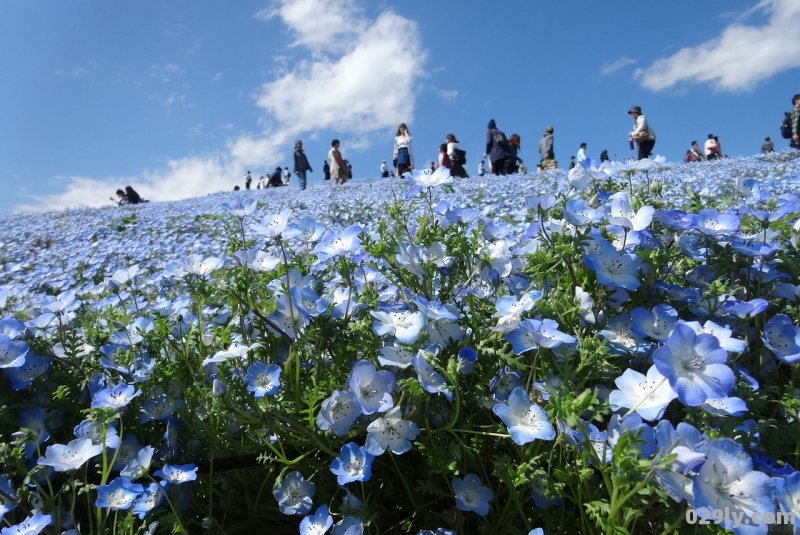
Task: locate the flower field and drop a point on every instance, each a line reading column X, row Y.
column 609, row 351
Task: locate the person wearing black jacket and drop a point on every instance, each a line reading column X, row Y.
column 133, row 197
column 496, row 148
column 275, row 180
column 301, row 165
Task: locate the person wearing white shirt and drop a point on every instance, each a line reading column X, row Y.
column 384, row 170
column 581, row 154
column 453, row 150
column 402, row 150
column 711, row 148
column 642, row 133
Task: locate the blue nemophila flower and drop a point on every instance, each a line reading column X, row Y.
column 338, row 243
column 263, row 379
column 695, row 366
column 532, row 333
column 34, row 419
column 308, row 230
column 712, row 222
column 272, row 225
column 614, row 268
column 510, row 309
column 23, row 376
column 676, row 219
column 12, row 352
column 471, row 495
column 240, row 207
column 30, row 526
column 467, row 357
column 391, row 432
column 782, row 338
column 294, row 494
column 504, row 383
column 427, row 179
column 787, row 492
column 119, row 494
column 685, row 442
column 71, row 456
column 622, row 214
column 723, row 334
column 353, row 464
column 159, row 408
column 727, row 482
column 127, row 451
column 525, row 422
column 115, row 398
column 151, row 497
column 656, row 323
column 138, row 466
column 579, row 213
column 648, row 396
column 431, row 380
column 439, row 531
column 372, row 388
column 730, row 406
column 289, row 317
column 235, row 351
column 177, row 474
column 193, row 264
column 349, row 525
column 7, row 490
column 338, row 413
column 257, row 260
column 405, row 325
column 87, row 429
column 318, row 523
column 397, row 356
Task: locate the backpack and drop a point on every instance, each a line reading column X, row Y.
column 786, row 126
column 500, row 139
column 459, row 157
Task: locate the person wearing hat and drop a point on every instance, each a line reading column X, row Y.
column 768, row 146
column 384, row 170
column 642, row 133
column 301, row 165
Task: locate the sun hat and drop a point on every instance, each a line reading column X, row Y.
column 635, row 109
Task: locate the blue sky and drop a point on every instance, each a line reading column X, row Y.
column 179, row 98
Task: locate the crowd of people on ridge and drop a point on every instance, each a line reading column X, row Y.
column 501, row 152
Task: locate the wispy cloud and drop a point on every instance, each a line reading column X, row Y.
column 447, row 95
column 739, row 58
column 610, row 68
column 216, row 78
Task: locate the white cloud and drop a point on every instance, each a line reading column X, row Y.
column 216, row 78
column 741, row 57
column 610, row 68
column 360, row 78
column 447, row 95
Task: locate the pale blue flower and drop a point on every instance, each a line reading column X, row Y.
column 117, row 495
column 504, row 383
column 782, row 338
column 787, row 492
column 723, row 334
column 727, row 482
column 431, row 380
column 371, row 388
column 240, row 207
column 525, row 422
column 318, row 523
column 23, row 376
column 34, row 419
column 63, row 458
column 657, row 324
column 338, row 243
column 633, row 424
column 426, row 179
column 354, row 463
column 272, row 225
column 151, row 497
column 349, row 525
column 138, row 466
column 193, row 264
column 695, row 366
column 391, row 432
column 263, row 379
column 30, row 526
column 12, row 352
column 622, row 214
column 338, row 413
column 510, row 309
column 7, row 490
column 467, row 357
column 396, row 355
column 711, row 222
column 177, row 474
column 294, row 494
column 115, row 398
column 405, row 325
column 533, row 333
column 471, row 495
column 728, row 406
column 648, row 396
column 87, row 429
column 614, row 268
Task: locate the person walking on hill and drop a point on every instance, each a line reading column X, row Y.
column 547, row 151
column 697, row 153
column 457, row 157
column 444, row 159
column 338, row 166
column 301, row 165
column 768, row 146
column 512, row 160
column 642, row 133
column 326, row 170
column 384, row 169
column 794, row 122
column 247, row 180
column 482, row 168
column 496, row 149
column 581, row 154
column 402, row 150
